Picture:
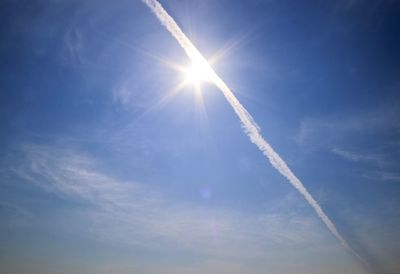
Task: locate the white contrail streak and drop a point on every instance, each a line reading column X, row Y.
column 248, row 124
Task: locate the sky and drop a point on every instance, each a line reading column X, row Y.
column 108, row 164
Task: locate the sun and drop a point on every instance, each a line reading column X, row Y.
column 197, row 72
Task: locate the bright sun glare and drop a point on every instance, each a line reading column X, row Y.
column 197, row 73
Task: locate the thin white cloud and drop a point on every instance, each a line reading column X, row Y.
column 357, row 157
column 389, row 176
column 248, row 124
column 74, row 44
column 382, row 175
column 68, row 173
column 121, row 95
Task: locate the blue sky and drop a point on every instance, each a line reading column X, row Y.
column 103, row 172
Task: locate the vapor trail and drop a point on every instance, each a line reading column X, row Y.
column 248, row 124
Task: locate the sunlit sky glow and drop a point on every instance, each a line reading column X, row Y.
column 119, row 154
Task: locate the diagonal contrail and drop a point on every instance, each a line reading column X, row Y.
column 248, row 124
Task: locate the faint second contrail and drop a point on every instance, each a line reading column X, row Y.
column 248, row 124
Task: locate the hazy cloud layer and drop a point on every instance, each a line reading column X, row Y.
column 132, row 214
column 134, row 208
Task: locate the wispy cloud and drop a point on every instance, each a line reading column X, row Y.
column 381, row 167
column 121, row 94
column 74, row 43
column 358, row 157
column 382, row 175
column 67, row 173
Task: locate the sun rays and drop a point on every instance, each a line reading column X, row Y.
column 194, row 76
